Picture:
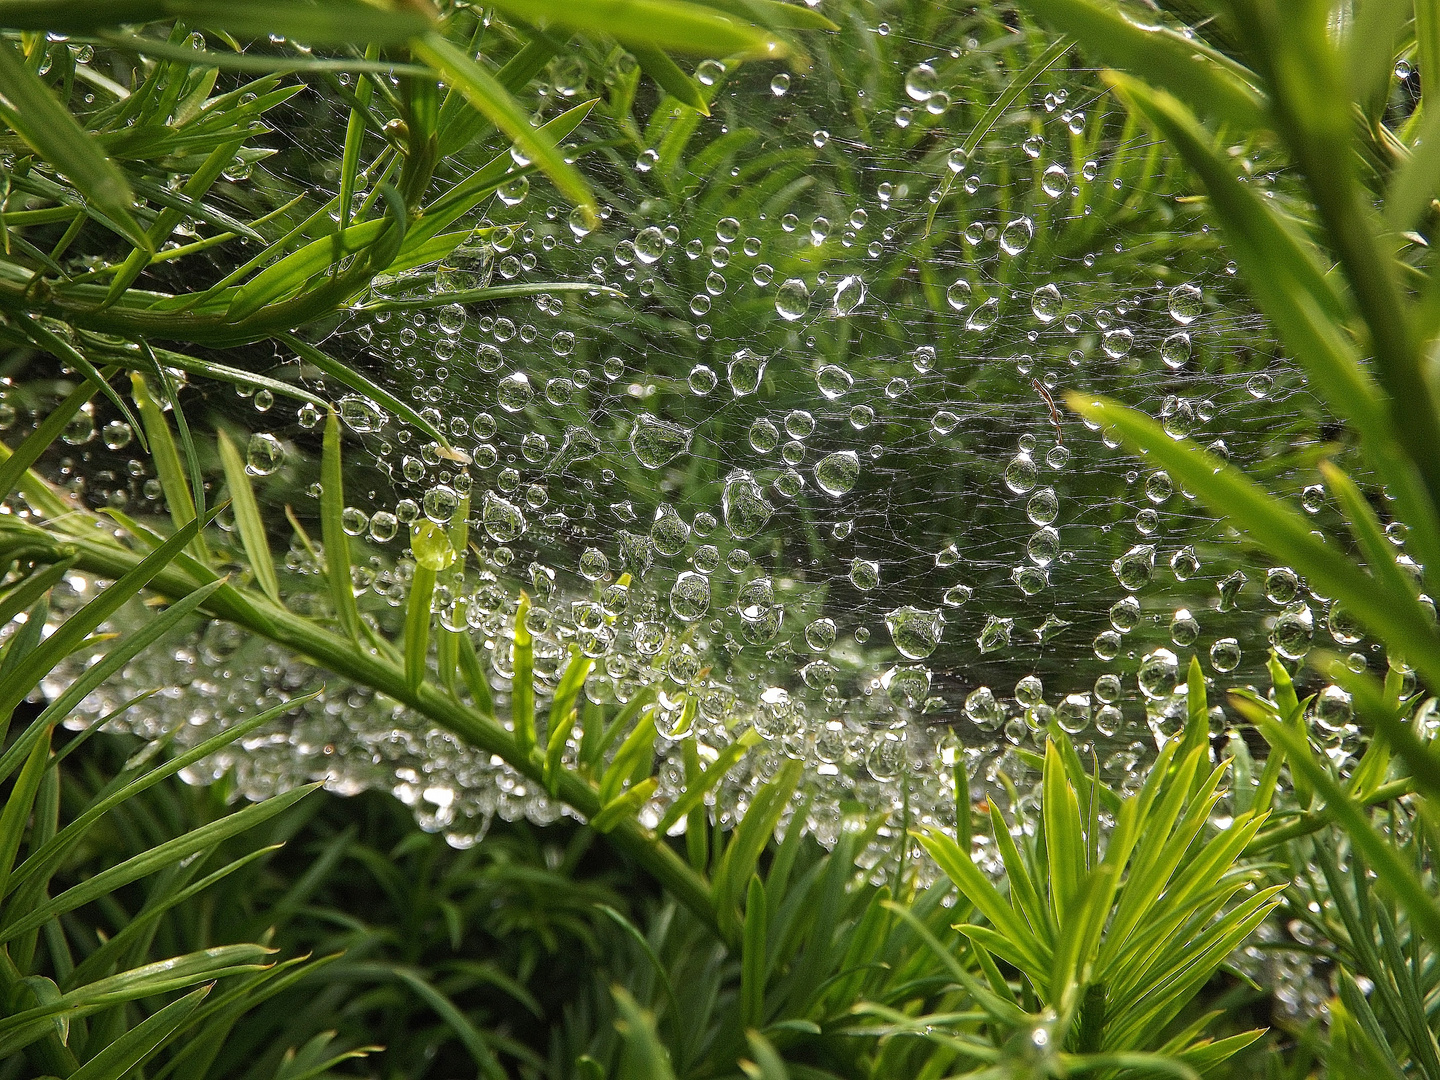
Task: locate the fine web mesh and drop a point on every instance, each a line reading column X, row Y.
column 825, row 439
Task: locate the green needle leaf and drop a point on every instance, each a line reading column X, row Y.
column 46, row 126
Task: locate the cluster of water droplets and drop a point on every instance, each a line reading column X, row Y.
column 798, row 454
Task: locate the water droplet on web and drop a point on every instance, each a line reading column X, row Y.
column 1158, row 674
column 764, row 436
column 849, row 294
column 995, row 634
column 1054, row 181
column 440, row 503
column 361, row 415
column 1043, row 547
column 1343, row 625
column 792, row 299
column 1186, row 304
column 1029, row 579
column 502, row 519
column 690, row 596
column 985, row 316
column 833, row 381
column 820, row 634
column 864, row 574
column 1043, row 507
column 1021, row 474
column 702, row 380
column 649, row 244
column 983, row 710
column 745, row 370
column 1175, row 350
column 514, row 392
column 959, row 294
column 669, row 533
column 799, row 424
column 779, row 84
column 1016, row 236
column 1185, row 564
column 1282, row 585
column 1134, row 569
column 1184, row 628
column 1046, row 303
column 836, row 473
column 594, row 564
column 921, row 81
column 1229, row 588
column 915, row 631
column 957, row 595
column 1294, row 631
column 657, row 442
column 264, row 454
column 744, row 505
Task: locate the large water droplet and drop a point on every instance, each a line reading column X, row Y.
column 264, row 455
column 502, row 519
column 1185, row 304
column 1159, row 671
column 921, row 82
column 1054, row 181
column 915, row 631
column 849, row 294
column 985, row 316
column 836, row 473
column 1046, row 303
column 1294, row 631
column 690, row 596
column 833, row 381
column 657, row 442
column 1134, row 568
column 744, row 505
column 650, row 244
column 745, row 370
column 669, row 533
column 864, row 574
column 792, row 299
column 1175, row 350
column 514, row 392
column 1015, row 237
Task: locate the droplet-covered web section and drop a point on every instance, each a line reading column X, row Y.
column 803, row 454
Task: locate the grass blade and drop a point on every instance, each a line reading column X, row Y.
column 1019, row 85
column 670, row 78
column 131, row 1050
column 488, row 97
column 30, row 110
column 247, row 518
column 1278, row 529
column 40, row 440
column 167, row 463
column 1393, row 873
column 157, row 858
column 750, row 838
column 522, row 684
column 1207, row 81
column 663, row 24
column 696, row 788
column 362, row 385
column 332, row 530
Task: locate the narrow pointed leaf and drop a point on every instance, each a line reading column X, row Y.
column 332, row 530
column 1276, row 528
column 248, row 521
column 29, row 108
column 487, row 96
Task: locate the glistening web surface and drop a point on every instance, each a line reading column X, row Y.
column 786, row 437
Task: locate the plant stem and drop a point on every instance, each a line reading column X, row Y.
column 480, row 729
